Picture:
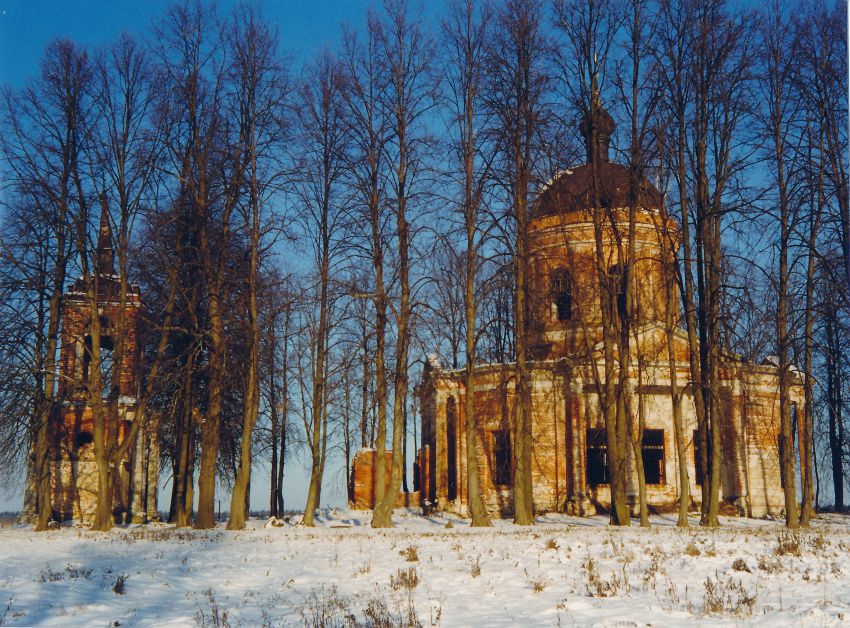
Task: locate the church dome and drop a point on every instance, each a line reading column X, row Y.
column 572, row 190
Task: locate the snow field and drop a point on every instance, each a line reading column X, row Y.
column 564, row 571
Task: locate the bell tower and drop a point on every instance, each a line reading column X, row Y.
column 73, row 466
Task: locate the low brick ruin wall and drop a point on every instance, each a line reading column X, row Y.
column 361, row 491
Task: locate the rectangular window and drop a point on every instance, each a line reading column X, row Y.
column 652, row 452
column 597, row 457
column 501, row 458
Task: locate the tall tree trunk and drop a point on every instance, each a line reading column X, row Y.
column 183, row 474
column 284, row 408
column 669, row 269
column 317, row 427
column 407, row 55
column 364, row 394
column 522, row 480
column 807, row 462
column 211, row 425
column 45, row 408
column 380, row 340
column 466, row 36
column 382, row 516
column 318, row 424
column 775, row 49
column 273, row 410
column 691, row 326
column 239, row 498
column 835, row 402
column 676, row 393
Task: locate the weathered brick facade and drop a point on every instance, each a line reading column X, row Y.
column 565, row 406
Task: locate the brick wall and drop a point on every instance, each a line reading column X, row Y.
column 361, row 492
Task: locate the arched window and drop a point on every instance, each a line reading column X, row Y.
column 562, row 293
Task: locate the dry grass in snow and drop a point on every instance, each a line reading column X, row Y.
column 564, row 571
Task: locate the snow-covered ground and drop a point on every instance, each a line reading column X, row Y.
column 564, row 571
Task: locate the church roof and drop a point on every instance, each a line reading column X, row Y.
column 572, row 190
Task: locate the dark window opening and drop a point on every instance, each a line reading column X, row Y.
column 562, row 293
column 501, row 458
column 432, row 470
column 451, row 437
column 652, row 452
column 597, row 457
column 618, row 280
column 82, row 439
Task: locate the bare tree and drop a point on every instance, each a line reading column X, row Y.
column 777, row 42
column 589, row 28
column 407, row 52
column 278, row 335
column 465, row 33
column 322, row 146
column 720, row 65
column 821, row 78
column 43, row 144
column 517, row 83
column 368, row 128
column 259, row 84
column 26, row 255
column 672, row 281
column 639, row 92
column 676, row 48
column 834, row 350
column 192, row 71
column 818, row 81
column 127, row 146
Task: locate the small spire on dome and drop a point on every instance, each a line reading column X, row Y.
column 105, row 261
column 597, row 132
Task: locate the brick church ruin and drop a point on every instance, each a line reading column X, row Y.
column 569, row 461
column 73, row 468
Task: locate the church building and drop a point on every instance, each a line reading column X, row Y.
column 570, row 471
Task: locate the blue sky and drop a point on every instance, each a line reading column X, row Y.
column 306, row 26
